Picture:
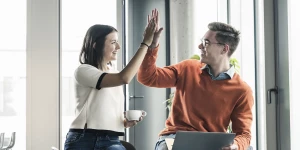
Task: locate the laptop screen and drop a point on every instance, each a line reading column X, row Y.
column 193, row 140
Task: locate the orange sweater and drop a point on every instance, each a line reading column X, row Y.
column 200, row 103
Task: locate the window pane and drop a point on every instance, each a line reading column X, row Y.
column 294, row 68
column 202, row 18
column 241, row 17
column 13, row 71
column 75, row 23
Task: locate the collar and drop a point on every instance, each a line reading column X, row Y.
column 230, row 72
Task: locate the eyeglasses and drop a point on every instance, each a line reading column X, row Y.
column 206, row 42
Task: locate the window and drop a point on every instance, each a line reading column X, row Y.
column 202, row 18
column 242, row 17
column 294, row 68
column 75, row 23
column 239, row 14
column 13, row 70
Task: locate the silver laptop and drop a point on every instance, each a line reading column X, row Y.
column 193, row 140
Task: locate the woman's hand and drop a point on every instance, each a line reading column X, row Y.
column 150, row 28
column 129, row 124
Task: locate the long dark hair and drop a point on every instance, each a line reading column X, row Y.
column 94, row 55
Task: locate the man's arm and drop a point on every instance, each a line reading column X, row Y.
column 242, row 120
column 153, row 76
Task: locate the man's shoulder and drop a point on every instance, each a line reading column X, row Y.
column 192, row 63
column 243, row 85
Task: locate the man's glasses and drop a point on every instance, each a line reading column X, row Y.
column 205, row 43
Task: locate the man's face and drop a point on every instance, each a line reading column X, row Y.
column 211, row 50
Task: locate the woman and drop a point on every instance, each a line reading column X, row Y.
column 98, row 87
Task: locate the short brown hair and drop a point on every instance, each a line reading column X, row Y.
column 226, row 34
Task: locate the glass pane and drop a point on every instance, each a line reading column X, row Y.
column 294, row 68
column 243, row 21
column 202, row 18
column 75, row 23
column 13, row 71
column 241, row 17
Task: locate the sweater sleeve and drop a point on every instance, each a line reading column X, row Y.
column 153, row 76
column 242, row 120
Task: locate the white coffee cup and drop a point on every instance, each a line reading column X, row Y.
column 132, row 115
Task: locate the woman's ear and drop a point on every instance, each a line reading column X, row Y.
column 94, row 45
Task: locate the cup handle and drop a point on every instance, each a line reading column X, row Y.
column 144, row 113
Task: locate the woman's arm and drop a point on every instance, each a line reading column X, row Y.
column 126, row 75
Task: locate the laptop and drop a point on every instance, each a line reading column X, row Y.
column 193, row 140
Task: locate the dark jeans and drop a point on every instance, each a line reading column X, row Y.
column 92, row 141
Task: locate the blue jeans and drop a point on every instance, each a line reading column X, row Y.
column 92, row 141
column 161, row 143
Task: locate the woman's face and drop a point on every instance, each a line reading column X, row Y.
column 111, row 47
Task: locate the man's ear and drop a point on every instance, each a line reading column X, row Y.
column 226, row 49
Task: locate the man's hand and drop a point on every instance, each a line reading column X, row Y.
column 158, row 29
column 231, row 147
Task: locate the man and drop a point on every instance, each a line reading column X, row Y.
column 209, row 94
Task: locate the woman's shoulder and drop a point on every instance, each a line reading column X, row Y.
column 85, row 66
column 86, row 69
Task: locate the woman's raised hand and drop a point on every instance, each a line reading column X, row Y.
column 150, row 28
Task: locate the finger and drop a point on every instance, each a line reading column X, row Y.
column 148, row 19
column 153, row 23
column 141, row 118
column 226, row 148
column 151, row 20
column 153, row 29
column 160, row 30
column 134, row 122
column 153, row 13
column 157, row 18
column 157, row 22
column 150, row 23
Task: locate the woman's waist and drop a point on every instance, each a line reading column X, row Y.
column 98, row 132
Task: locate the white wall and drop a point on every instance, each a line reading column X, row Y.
column 43, row 74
